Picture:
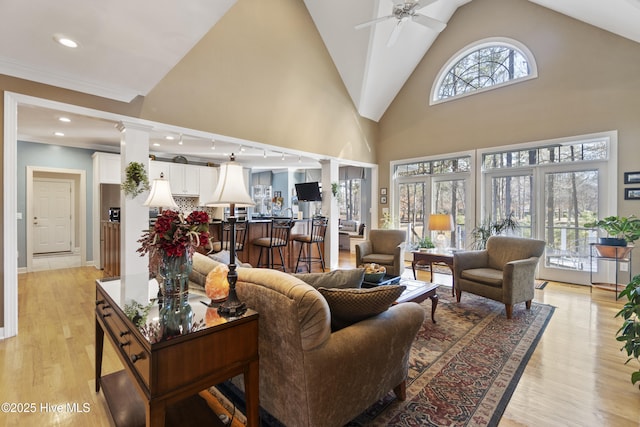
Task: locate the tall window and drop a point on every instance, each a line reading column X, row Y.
column 432, row 186
column 484, row 65
column 552, row 188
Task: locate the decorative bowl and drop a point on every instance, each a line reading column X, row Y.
column 374, row 277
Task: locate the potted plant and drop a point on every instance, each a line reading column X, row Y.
column 629, row 332
column 425, row 243
column 620, row 230
column 489, row 228
column 136, row 180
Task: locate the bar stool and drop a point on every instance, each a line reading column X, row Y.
column 318, row 230
column 279, row 233
column 242, row 228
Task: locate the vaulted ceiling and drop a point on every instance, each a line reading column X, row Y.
column 146, row 38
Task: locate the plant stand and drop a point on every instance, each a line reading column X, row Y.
column 617, row 256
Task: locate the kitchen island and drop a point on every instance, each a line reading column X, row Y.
column 259, row 227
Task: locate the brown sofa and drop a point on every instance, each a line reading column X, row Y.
column 504, row 271
column 309, row 375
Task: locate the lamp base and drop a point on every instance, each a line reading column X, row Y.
column 232, row 309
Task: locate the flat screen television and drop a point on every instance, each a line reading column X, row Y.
column 308, row 192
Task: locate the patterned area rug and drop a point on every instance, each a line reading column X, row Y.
column 463, row 369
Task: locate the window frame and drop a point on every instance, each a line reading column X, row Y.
column 473, row 47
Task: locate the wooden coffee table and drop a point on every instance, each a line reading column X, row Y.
column 418, row 291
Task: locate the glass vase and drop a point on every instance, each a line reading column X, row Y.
column 176, row 315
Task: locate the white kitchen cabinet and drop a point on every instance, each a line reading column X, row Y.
column 108, row 168
column 184, row 179
column 208, row 182
column 156, row 168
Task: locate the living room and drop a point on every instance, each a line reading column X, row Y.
column 587, row 81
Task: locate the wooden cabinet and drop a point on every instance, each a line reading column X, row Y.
column 111, row 239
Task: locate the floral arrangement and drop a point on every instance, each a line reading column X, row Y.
column 174, row 235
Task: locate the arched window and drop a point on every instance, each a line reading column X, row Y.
column 483, row 65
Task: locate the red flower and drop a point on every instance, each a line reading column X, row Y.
column 173, row 235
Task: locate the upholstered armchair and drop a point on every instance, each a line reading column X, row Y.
column 384, row 247
column 503, row 272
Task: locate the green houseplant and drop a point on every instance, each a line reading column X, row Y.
column 136, row 180
column 629, row 332
column 620, row 230
column 489, row 228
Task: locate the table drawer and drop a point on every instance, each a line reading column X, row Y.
column 140, row 359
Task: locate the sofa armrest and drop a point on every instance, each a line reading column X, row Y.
column 366, row 359
column 520, row 274
column 363, row 249
column 469, row 259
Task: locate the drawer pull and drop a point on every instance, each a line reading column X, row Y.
column 100, row 302
column 105, row 315
column 124, row 344
column 136, row 357
column 122, row 334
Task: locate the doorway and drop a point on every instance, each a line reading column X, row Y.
column 52, row 201
column 56, row 218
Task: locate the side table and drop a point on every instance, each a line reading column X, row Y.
column 160, row 373
column 430, row 257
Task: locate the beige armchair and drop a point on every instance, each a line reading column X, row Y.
column 384, row 247
column 504, row 271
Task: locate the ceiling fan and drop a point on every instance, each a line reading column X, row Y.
column 403, row 12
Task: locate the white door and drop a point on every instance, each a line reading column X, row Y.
column 51, row 216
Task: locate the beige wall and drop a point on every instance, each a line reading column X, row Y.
column 261, row 74
column 264, row 74
column 589, row 81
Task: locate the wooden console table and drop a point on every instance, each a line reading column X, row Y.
column 165, row 372
column 430, row 257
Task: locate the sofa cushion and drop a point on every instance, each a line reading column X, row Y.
column 349, row 306
column 486, row 276
column 351, row 278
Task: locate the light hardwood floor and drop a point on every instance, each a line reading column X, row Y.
column 576, row 376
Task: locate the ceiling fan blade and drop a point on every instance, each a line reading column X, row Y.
column 424, row 3
column 395, row 33
column 372, row 22
column 429, row 22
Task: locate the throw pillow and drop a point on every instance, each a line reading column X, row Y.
column 224, row 257
column 351, row 278
column 349, row 306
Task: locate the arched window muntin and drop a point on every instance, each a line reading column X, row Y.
column 521, row 67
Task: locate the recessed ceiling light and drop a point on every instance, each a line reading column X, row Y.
column 156, row 144
column 58, row 133
column 66, row 41
column 64, row 119
column 169, row 137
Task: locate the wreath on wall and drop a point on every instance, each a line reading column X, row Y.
column 136, row 180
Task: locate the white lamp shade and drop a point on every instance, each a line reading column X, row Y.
column 231, row 189
column 440, row 222
column 160, row 195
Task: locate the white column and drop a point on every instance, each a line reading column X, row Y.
column 134, row 217
column 331, row 210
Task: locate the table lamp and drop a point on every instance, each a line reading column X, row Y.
column 440, row 223
column 160, row 194
column 231, row 191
